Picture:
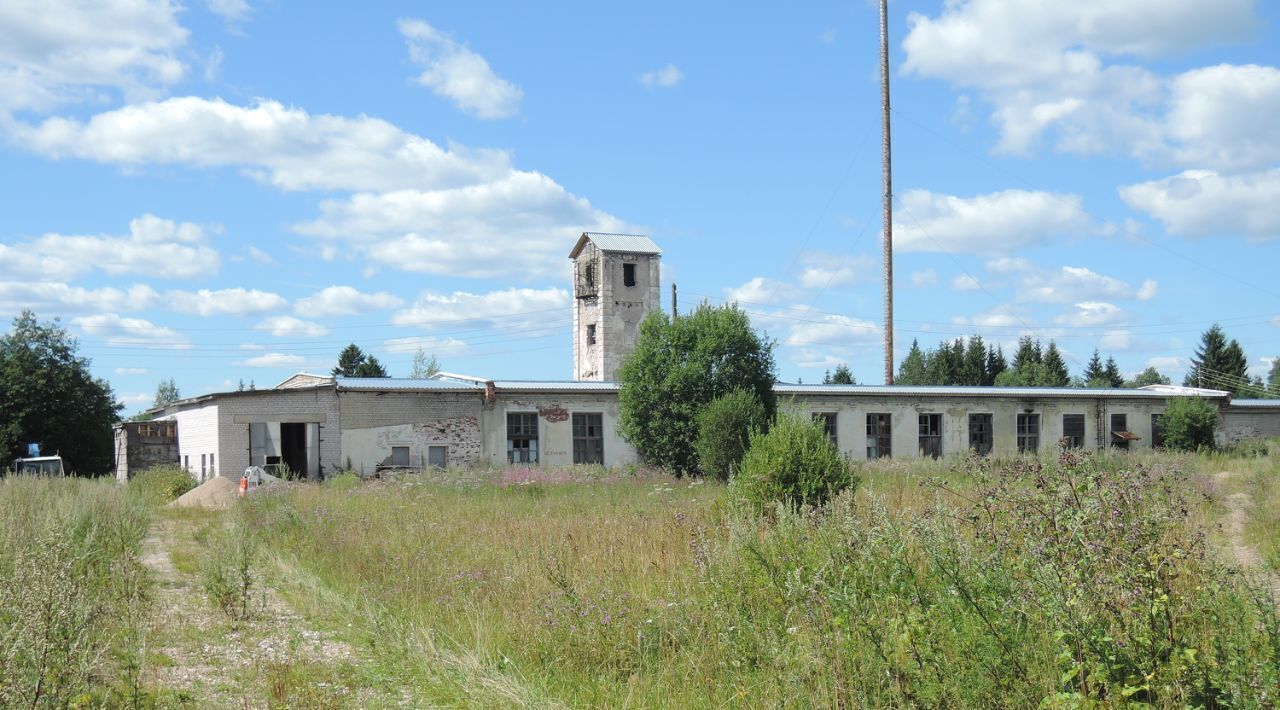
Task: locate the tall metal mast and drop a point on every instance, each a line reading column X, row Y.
column 888, row 193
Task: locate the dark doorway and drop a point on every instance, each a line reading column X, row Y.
column 293, row 447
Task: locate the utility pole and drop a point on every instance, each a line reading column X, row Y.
column 888, row 193
column 673, row 301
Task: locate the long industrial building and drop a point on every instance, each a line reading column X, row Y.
column 316, row 425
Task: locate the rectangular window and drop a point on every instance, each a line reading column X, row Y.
column 828, row 420
column 591, row 334
column 522, row 438
column 1073, row 430
column 203, row 470
column 1157, row 430
column 1028, row 433
column 980, row 434
column 1119, row 431
column 186, row 462
column 438, row 456
column 588, row 438
column 878, row 436
column 931, row 435
column 399, row 455
column 628, row 275
column 213, row 470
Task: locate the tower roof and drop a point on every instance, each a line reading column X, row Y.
column 629, row 243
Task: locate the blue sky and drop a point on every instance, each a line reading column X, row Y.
column 231, row 190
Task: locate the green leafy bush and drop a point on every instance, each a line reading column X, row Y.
column 161, row 484
column 724, row 432
column 1189, row 423
column 793, row 463
column 679, row 366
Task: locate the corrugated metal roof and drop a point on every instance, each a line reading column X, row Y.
column 554, row 386
column 387, row 384
column 630, row 243
column 959, row 391
column 1254, row 403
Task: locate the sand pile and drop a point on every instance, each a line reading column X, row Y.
column 217, row 492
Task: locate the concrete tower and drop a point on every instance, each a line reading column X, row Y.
column 615, row 285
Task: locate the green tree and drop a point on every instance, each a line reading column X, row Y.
column 946, row 363
column 48, row 396
column 353, row 362
column 678, row 367
column 974, row 369
column 349, row 361
column 371, row 368
column 1273, row 379
column 166, row 393
column 996, row 364
column 1028, row 353
column 1093, row 372
column 725, row 427
column 424, row 366
column 1218, row 363
column 914, row 368
column 842, row 376
column 1189, row 423
column 792, row 463
column 1149, row 376
column 1055, row 367
column 1112, row 374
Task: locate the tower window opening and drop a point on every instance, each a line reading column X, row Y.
column 628, row 275
column 591, row 334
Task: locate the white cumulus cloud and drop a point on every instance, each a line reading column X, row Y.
column 1001, row 222
column 508, row 307
column 761, row 290
column 288, row 326
column 116, row 330
column 513, row 226
column 344, row 301
column 1201, row 203
column 155, row 247
column 54, row 52
column 663, row 78
column 274, row 360
column 284, row 146
column 227, row 301
column 454, row 71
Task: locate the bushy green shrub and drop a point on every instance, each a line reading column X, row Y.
column 792, row 463
column 344, row 480
column 724, row 432
column 161, row 484
column 1189, row 423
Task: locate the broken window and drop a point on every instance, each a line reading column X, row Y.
column 980, row 433
column 828, row 420
column 878, row 436
column 591, row 275
column 1028, row 433
column 588, row 438
column 1119, row 431
column 628, row 275
column 591, row 334
column 438, row 456
column 522, row 438
column 1157, row 430
column 1073, row 430
column 399, row 455
column 931, row 435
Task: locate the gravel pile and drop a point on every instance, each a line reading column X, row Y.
column 217, row 492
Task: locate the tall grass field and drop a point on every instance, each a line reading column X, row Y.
column 1087, row 581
